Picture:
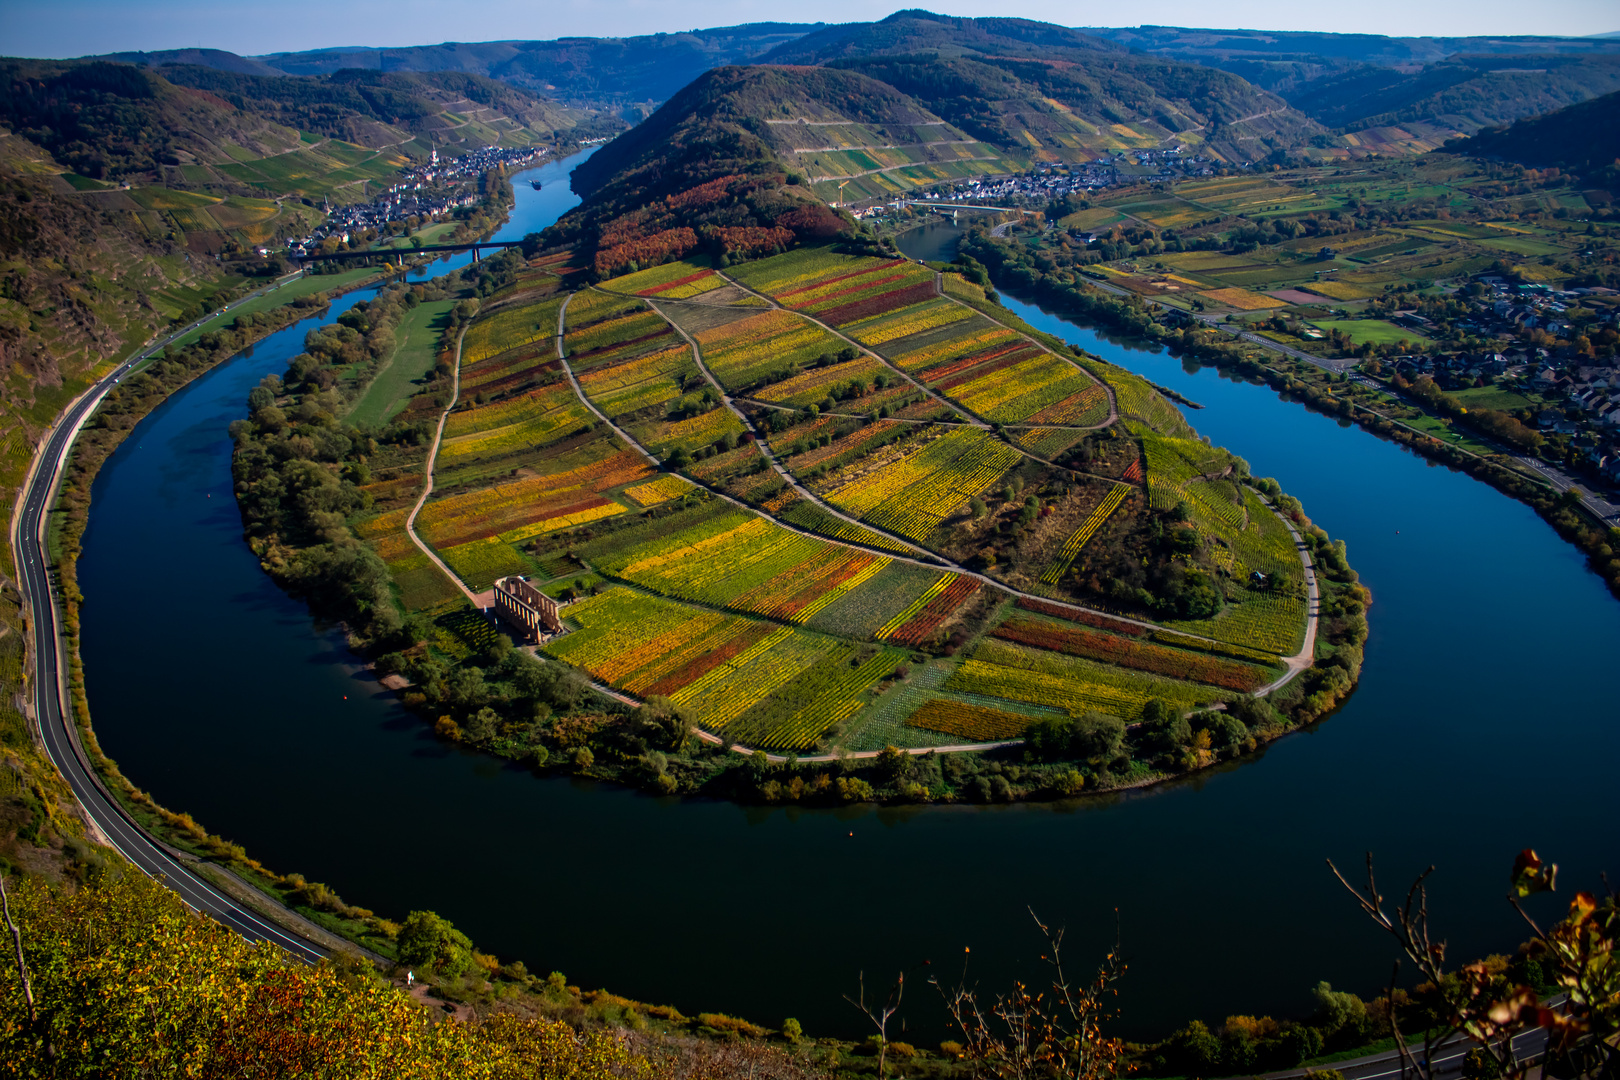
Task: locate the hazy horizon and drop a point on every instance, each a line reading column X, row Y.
column 71, row 28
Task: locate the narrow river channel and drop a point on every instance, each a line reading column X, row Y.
column 1485, row 722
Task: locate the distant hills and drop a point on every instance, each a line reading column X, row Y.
column 119, row 184
column 1435, row 87
column 1356, row 81
column 1054, row 92
column 597, row 71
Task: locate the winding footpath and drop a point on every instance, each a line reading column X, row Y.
column 59, row 735
column 427, row 485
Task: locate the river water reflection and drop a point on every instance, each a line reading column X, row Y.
column 1485, row 722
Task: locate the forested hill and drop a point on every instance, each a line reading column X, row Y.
column 366, row 106
column 1583, row 139
column 1018, row 83
column 595, row 71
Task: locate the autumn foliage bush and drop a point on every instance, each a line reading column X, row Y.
column 128, row 983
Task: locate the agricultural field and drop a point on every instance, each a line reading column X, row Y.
column 841, row 611
column 1053, row 680
column 762, row 349
column 895, row 309
column 1377, row 331
column 913, row 491
column 646, row 381
column 510, row 328
column 680, row 280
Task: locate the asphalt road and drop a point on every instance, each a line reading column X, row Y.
column 1448, row 1059
column 60, row 738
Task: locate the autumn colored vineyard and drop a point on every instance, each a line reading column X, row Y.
column 818, row 543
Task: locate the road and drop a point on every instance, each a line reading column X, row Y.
column 1604, row 510
column 1448, row 1059
column 57, row 731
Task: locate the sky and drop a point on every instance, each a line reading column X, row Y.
column 62, row 28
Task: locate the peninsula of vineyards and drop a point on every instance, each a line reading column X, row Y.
column 820, row 503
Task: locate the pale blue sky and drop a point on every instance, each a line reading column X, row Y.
column 79, row 27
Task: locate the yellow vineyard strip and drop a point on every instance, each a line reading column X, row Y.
column 747, row 530
column 657, row 491
column 1072, row 546
column 561, row 521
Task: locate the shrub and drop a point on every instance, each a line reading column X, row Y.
column 426, row 940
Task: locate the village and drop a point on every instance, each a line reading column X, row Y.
column 424, row 193
column 1571, row 398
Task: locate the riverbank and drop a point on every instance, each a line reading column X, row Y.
column 1311, row 384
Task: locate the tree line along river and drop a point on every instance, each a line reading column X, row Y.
column 1485, row 722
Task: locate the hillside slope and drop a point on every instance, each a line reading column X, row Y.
column 117, row 188
column 719, row 159
column 111, row 121
column 1583, row 139
column 1055, row 92
column 120, row 186
column 1359, row 81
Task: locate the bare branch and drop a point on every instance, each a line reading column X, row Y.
column 22, row 964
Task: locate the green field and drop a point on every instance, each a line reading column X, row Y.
column 418, row 337
column 1493, row 397
column 1376, row 331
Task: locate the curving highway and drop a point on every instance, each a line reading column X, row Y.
column 57, row 732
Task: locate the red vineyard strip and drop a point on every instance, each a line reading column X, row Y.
column 677, row 283
column 693, row 670
column 1133, row 654
column 1060, row 611
column 859, row 286
column 847, row 568
column 1070, row 407
column 496, row 387
column 601, row 350
column 951, row 367
column 936, row 611
column 985, row 369
column 877, row 305
column 841, row 277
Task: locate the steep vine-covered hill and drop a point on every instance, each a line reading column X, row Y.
column 1583, row 139
column 709, row 170
column 1054, row 91
column 1357, row 81
column 116, row 121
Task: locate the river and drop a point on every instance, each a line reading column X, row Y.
column 1484, row 723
